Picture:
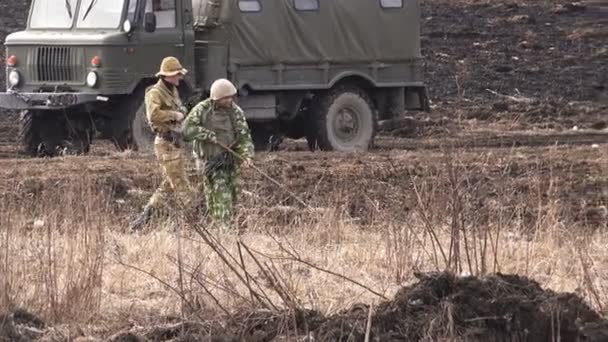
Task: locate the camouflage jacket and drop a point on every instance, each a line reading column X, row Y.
column 228, row 126
column 161, row 105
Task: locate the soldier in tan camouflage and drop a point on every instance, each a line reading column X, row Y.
column 212, row 125
column 165, row 115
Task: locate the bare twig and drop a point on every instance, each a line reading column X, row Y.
column 271, row 280
column 298, row 259
column 428, row 225
column 217, row 248
column 518, row 99
column 166, row 284
column 238, row 244
column 180, row 263
column 368, row 328
column 265, row 175
column 588, row 280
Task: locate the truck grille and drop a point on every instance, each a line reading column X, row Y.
column 58, row 64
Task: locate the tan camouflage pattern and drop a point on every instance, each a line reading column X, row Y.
column 161, row 104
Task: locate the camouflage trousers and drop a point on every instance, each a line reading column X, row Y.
column 221, row 193
column 175, row 180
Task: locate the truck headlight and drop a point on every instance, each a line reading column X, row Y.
column 92, row 79
column 14, row 78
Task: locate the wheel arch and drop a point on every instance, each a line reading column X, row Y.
column 352, row 78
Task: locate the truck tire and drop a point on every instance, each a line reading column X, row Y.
column 264, row 139
column 142, row 133
column 343, row 120
column 28, row 134
column 80, row 137
column 50, row 134
column 121, row 129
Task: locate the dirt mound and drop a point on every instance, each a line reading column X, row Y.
column 21, row 325
column 440, row 306
column 494, row 308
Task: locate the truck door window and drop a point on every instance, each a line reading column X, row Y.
column 52, row 14
column 306, row 5
column 131, row 10
column 250, row 6
column 164, row 11
column 391, row 3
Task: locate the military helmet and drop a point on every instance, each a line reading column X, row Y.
column 222, row 88
column 171, row 67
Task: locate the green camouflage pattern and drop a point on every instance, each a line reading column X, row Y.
column 221, row 190
column 208, row 122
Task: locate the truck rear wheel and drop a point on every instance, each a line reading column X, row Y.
column 344, row 120
column 142, row 133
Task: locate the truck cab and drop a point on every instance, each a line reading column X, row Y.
column 81, row 67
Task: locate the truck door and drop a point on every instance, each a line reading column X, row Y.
column 166, row 40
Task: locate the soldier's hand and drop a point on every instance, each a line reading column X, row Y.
column 247, row 163
column 212, row 139
column 179, row 117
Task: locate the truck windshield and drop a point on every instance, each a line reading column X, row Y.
column 52, row 14
column 105, row 14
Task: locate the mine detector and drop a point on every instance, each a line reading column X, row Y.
column 319, row 69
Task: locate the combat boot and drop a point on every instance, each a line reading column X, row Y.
column 141, row 220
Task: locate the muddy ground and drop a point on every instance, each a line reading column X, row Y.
column 519, row 98
column 367, row 189
column 437, row 307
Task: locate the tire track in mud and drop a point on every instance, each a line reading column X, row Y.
column 495, row 140
column 473, row 140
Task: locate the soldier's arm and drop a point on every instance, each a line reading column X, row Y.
column 244, row 146
column 157, row 115
column 193, row 126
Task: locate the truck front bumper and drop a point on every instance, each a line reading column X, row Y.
column 17, row 100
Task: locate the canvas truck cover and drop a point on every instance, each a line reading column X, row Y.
column 340, row 31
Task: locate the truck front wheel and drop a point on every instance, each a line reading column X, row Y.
column 29, row 136
column 343, row 120
column 51, row 133
column 142, row 133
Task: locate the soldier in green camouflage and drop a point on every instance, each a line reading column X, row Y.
column 213, row 123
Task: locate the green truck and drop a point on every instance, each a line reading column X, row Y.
column 324, row 70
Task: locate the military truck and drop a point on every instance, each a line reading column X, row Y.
column 323, row 70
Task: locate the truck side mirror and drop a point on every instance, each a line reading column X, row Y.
column 150, row 22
